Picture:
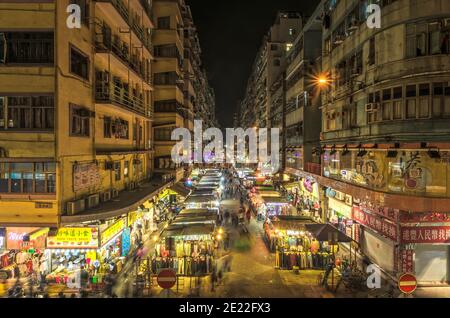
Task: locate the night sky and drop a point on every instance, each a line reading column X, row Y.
column 231, row 32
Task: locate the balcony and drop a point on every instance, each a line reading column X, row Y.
column 105, row 42
column 119, row 94
column 171, row 106
column 132, row 20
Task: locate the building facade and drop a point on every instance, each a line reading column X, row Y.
column 379, row 162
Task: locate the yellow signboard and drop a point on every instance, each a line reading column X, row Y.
column 70, row 237
column 74, row 235
column 112, row 231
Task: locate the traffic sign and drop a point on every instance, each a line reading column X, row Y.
column 167, row 279
column 407, row 283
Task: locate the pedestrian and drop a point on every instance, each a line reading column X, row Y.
column 213, row 279
column 249, row 216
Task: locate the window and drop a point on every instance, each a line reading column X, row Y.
column 107, row 123
column 398, row 103
column 27, row 112
column 120, row 129
column 79, row 63
column 27, row 47
column 164, row 23
column 117, row 170
column 273, row 47
column 126, row 169
column 387, row 104
column 441, row 100
column 164, row 134
column 166, row 78
column 84, row 5
column 427, row 38
column 372, row 48
column 27, row 177
column 79, row 121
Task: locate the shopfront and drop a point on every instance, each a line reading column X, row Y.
column 307, row 198
column 69, row 250
column 340, row 213
column 377, row 235
column 110, row 252
column 293, row 245
column 188, row 249
column 425, row 249
column 23, row 251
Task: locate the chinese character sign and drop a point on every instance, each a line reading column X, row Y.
column 407, row 261
column 376, row 223
column 425, row 234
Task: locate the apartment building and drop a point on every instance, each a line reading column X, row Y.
column 75, row 109
column 267, row 66
column 386, row 131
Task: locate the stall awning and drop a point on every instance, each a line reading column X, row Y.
column 194, row 219
column 188, row 230
column 272, row 200
column 198, row 211
column 326, row 233
column 201, row 199
column 292, row 223
column 180, row 189
column 202, row 192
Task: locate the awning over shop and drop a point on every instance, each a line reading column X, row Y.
column 291, row 223
column 180, row 189
column 198, row 212
column 291, row 185
column 199, row 192
column 201, row 199
column 326, row 233
column 188, row 230
column 193, row 219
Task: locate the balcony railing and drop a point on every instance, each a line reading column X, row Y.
column 117, row 94
column 106, row 42
column 134, row 24
column 314, row 168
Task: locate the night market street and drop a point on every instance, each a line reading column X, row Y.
column 182, row 150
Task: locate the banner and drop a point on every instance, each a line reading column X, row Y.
column 112, row 231
column 425, row 234
column 407, row 261
column 429, row 217
column 375, row 223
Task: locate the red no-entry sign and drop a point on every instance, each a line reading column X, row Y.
column 167, row 279
column 407, row 283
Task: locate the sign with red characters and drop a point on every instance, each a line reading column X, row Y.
column 376, row 223
column 407, row 261
column 425, row 234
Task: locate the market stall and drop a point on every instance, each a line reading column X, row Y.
column 110, row 252
column 294, row 246
column 199, row 202
column 273, row 206
column 69, row 250
column 187, row 249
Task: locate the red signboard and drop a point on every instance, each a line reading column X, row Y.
column 430, row 217
column 376, row 223
column 388, row 213
column 407, row 283
column 167, row 279
column 407, row 261
column 425, row 234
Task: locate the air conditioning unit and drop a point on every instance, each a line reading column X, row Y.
column 114, row 193
column 106, row 196
column 372, row 107
column 76, row 207
column 93, row 201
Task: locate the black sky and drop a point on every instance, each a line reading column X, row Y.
column 231, row 32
